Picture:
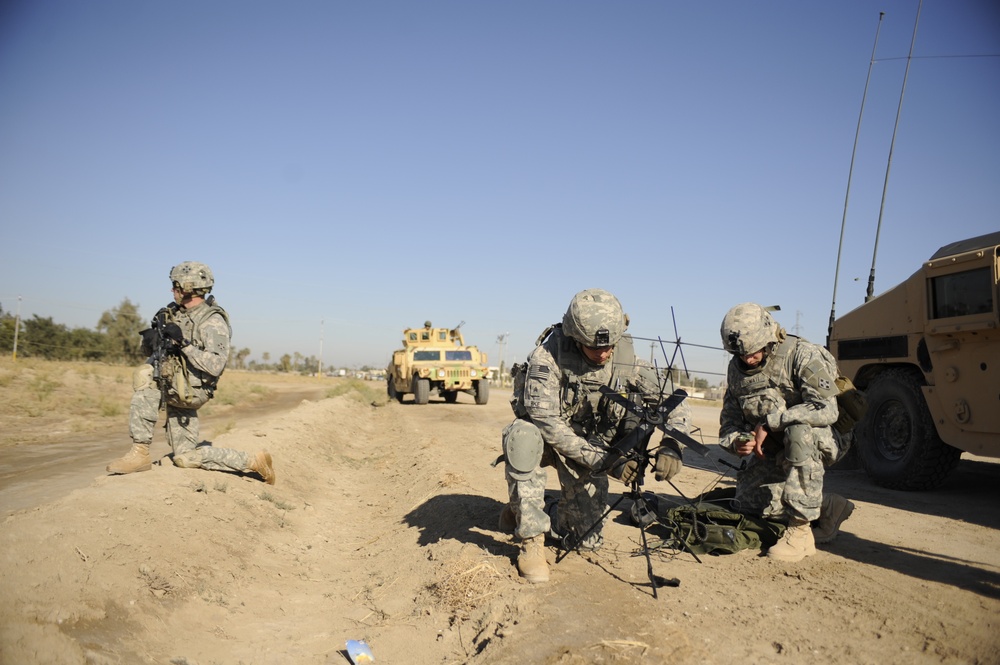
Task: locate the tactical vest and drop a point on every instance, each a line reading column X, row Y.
column 184, row 385
column 769, row 389
column 764, row 391
column 587, row 409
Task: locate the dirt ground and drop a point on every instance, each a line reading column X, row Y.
column 382, row 527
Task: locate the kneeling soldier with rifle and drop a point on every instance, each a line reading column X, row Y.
column 188, row 347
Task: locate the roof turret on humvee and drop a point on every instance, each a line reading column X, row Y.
column 927, row 355
column 437, row 360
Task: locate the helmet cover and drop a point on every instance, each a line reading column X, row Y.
column 748, row 328
column 595, row 318
column 192, row 277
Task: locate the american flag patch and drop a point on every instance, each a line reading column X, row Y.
column 540, row 372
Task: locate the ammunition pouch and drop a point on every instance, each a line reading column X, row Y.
column 181, row 387
column 852, row 405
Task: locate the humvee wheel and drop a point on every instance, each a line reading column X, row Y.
column 450, row 396
column 897, row 442
column 421, row 390
column 482, row 391
column 391, row 391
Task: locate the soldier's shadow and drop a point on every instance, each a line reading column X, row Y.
column 466, row 518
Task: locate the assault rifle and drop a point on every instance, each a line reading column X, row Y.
column 634, row 446
column 155, row 339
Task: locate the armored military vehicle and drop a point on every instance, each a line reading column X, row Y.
column 927, row 354
column 437, row 360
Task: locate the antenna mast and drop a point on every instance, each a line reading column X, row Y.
column 850, row 172
column 878, row 230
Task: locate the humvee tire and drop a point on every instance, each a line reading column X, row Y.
column 482, row 391
column 899, row 446
column 421, row 390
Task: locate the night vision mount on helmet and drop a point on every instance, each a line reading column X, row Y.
column 192, row 277
column 747, row 328
column 595, row 318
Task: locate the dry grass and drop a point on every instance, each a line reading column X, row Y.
column 41, row 400
column 464, row 588
column 360, row 391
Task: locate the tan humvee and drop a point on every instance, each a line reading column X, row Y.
column 438, row 360
column 927, row 354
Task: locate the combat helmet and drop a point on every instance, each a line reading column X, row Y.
column 747, row 328
column 595, row 318
column 192, row 277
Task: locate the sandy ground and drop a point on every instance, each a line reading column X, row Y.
column 382, row 527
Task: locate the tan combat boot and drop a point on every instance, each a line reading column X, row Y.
column 795, row 545
column 531, row 561
column 136, row 459
column 261, row 465
column 834, row 512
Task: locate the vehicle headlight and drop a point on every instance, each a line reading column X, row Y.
column 472, row 372
column 440, row 373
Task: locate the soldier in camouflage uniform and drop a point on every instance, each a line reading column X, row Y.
column 188, row 347
column 564, row 421
column 779, row 405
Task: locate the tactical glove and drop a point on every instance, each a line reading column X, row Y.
column 625, row 470
column 173, row 332
column 668, row 460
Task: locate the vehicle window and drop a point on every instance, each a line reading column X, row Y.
column 458, row 355
column 962, row 293
column 427, row 355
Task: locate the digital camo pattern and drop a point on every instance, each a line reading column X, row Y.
column 578, row 425
column 747, row 328
column 207, row 327
column 788, row 482
column 193, row 277
column 591, row 311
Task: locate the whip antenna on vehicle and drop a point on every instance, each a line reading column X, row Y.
column 850, row 172
column 892, row 144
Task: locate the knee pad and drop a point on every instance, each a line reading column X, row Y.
column 142, row 377
column 522, row 446
column 800, row 445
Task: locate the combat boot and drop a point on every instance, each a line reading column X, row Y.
column 795, row 545
column 531, row 561
column 261, row 465
column 834, row 512
column 136, row 459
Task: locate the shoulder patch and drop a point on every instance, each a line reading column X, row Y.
column 817, row 374
column 539, row 372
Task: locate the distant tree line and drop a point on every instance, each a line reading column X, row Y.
column 115, row 339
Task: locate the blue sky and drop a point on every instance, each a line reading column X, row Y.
column 350, row 169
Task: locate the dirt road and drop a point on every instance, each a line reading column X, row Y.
column 382, row 527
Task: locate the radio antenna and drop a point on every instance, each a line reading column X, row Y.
column 878, row 229
column 850, row 172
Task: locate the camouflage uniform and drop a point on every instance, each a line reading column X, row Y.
column 207, row 327
column 188, row 347
column 577, row 425
column 782, row 394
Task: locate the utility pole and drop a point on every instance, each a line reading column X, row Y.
column 501, row 351
column 17, row 327
column 319, row 372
